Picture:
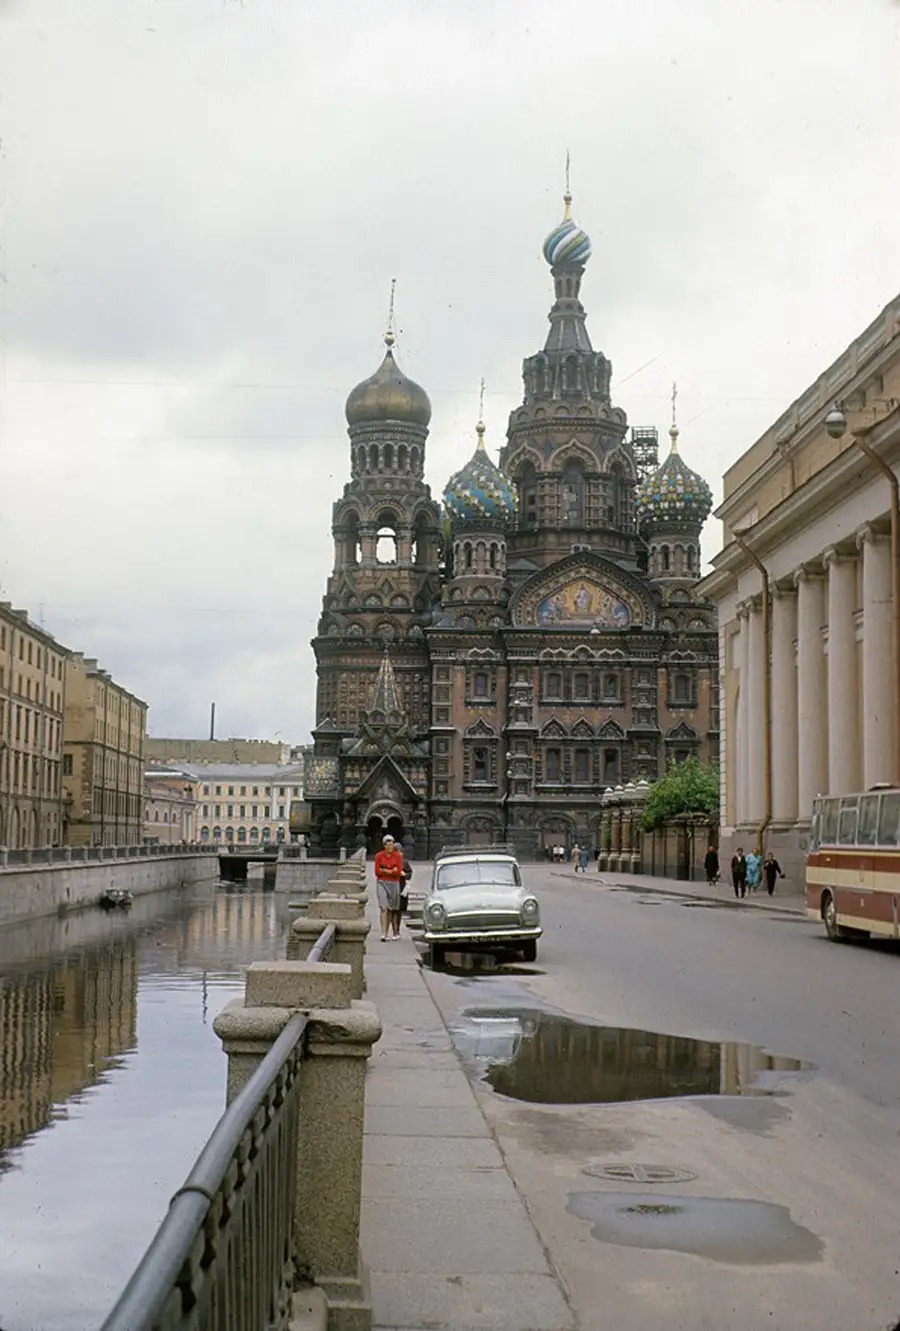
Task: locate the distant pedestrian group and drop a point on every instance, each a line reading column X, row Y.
column 748, row 872
column 580, row 858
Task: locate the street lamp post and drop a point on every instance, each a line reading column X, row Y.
column 836, row 426
column 767, row 688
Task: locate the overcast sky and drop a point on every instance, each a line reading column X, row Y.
column 203, row 203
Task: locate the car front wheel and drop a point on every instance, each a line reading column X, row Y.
column 437, row 955
column 529, row 950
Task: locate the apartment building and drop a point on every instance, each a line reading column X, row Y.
column 32, row 698
column 103, row 758
column 170, row 806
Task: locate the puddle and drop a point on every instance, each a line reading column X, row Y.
column 548, row 1058
column 723, row 1229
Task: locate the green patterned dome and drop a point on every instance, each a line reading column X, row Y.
column 673, row 494
column 479, row 494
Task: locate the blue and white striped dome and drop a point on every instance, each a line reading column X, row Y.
column 567, row 246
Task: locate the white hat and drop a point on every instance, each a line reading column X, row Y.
column 386, row 839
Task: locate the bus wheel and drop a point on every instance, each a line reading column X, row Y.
column 829, row 919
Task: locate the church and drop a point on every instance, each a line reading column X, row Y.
column 489, row 665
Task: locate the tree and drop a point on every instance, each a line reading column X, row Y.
column 687, row 787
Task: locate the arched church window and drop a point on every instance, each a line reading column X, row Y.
column 414, row 460
column 468, row 556
column 689, row 559
column 351, row 540
column 386, row 539
column 361, row 458
column 402, row 457
column 553, row 764
column 528, row 512
column 553, row 685
column 373, row 457
column 479, row 764
column 665, row 560
column 573, row 488
column 610, row 686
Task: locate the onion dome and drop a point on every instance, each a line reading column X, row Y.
column 567, row 246
column 388, row 396
column 479, row 494
column 673, row 494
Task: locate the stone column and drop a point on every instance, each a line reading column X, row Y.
column 756, row 734
column 784, row 705
column 740, row 753
column 877, row 659
column 339, row 1040
column 843, row 682
column 812, row 730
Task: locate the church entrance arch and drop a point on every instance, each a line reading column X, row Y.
column 382, row 819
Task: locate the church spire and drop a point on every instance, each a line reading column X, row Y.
column 385, row 697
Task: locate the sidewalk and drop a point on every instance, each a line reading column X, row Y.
column 791, row 902
column 448, row 1240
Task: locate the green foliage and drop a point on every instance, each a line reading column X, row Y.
column 687, row 787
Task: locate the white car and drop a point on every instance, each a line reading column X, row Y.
column 478, row 903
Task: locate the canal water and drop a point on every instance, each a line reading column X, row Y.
column 111, row 1080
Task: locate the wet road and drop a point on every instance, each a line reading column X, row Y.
column 111, row 1079
column 701, row 1107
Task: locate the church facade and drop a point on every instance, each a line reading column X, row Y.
column 487, row 667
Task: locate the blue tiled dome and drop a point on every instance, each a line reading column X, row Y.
column 673, row 493
column 479, row 493
column 567, row 245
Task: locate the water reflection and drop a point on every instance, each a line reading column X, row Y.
column 547, row 1058
column 111, row 1079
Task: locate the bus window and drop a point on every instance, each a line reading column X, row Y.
column 847, row 824
column 829, row 822
column 867, row 824
column 888, row 819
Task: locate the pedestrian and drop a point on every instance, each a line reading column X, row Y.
column 754, row 869
column 771, row 870
column 711, row 865
column 739, row 872
column 403, row 903
column 388, row 872
column 584, row 856
column 576, row 857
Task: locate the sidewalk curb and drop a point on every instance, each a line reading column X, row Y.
column 744, row 903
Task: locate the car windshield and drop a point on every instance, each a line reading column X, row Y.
column 501, row 872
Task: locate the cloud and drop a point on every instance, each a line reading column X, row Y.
column 204, row 206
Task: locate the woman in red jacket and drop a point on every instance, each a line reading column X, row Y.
column 388, row 871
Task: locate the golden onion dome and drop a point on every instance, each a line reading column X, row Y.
column 388, row 396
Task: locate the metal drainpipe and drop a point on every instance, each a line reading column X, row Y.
column 859, row 438
column 767, row 693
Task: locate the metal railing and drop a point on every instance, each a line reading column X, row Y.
column 223, row 1257
column 321, row 948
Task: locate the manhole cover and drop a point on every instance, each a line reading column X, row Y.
column 640, row 1173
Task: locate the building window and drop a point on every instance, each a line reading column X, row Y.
column 229, row 833
column 610, row 767
column 218, row 790
column 206, row 790
column 553, row 764
column 242, row 834
column 582, row 766
column 681, row 756
column 67, row 764
column 480, row 684
column 243, row 790
column 480, row 764
column 681, row 688
column 231, row 790
column 243, row 811
column 281, row 811
column 581, row 686
column 231, row 811
column 553, row 685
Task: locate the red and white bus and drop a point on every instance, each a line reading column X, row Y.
column 853, row 865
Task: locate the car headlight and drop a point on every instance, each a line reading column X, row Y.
column 437, row 916
column 530, row 911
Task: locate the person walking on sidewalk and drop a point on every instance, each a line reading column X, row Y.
column 576, row 857
column 388, row 872
column 403, row 899
column 584, row 856
column 771, row 870
column 739, row 872
column 754, row 869
column 711, row 865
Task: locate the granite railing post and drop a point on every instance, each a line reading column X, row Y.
column 339, row 1039
column 351, row 931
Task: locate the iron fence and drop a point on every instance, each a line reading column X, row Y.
column 223, row 1257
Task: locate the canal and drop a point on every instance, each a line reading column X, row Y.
column 111, row 1079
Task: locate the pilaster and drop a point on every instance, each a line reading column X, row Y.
column 843, row 682
column 812, row 730
column 878, row 719
column 784, row 704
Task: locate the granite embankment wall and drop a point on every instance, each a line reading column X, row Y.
column 30, row 891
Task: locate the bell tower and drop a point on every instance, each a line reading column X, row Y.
column 567, row 452
column 386, row 574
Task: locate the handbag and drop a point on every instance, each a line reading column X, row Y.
column 404, row 895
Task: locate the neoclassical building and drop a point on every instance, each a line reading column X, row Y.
column 813, row 509
column 489, row 666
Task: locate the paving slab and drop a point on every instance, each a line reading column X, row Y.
column 445, row 1233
